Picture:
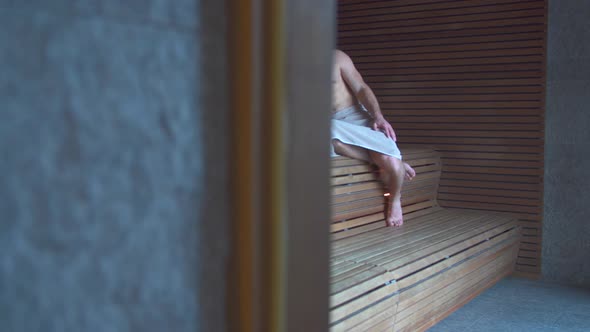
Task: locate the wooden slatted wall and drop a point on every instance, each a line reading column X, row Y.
column 467, row 77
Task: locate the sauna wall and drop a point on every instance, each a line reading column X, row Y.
column 467, row 77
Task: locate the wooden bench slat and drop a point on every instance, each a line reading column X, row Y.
column 337, row 199
column 379, row 244
column 375, row 204
column 340, row 265
column 367, row 210
column 432, row 270
column 372, row 316
column 343, row 273
column 461, row 290
column 373, row 246
column 442, row 280
column 402, row 254
column 406, row 278
column 418, row 196
column 362, row 303
column 423, row 179
column 350, row 178
column 358, row 204
column 413, row 215
column 492, row 206
column 343, row 161
column 356, row 231
column 452, row 226
column 364, row 168
column 357, row 187
column 419, row 206
column 383, row 235
column 389, row 233
column 463, row 285
column 433, row 255
column 354, row 287
column 377, row 217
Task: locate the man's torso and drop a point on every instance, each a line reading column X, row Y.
column 342, row 97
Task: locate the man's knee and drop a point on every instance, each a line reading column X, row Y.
column 393, row 164
column 338, row 145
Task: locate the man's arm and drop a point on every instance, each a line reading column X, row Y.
column 363, row 93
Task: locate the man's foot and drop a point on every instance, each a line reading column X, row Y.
column 395, row 214
column 410, row 172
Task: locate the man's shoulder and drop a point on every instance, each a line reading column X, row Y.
column 340, row 57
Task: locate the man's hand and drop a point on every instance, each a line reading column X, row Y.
column 383, row 126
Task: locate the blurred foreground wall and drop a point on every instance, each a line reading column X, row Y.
column 113, row 157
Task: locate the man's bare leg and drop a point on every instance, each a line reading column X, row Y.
column 351, row 151
column 410, row 172
column 409, row 175
column 394, row 171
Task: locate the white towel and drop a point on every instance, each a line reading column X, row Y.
column 353, row 126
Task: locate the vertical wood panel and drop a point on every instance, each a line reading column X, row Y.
column 280, row 79
column 469, row 78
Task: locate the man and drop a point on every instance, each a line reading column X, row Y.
column 360, row 131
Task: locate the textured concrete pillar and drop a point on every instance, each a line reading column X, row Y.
column 566, row 230
column 113, row 159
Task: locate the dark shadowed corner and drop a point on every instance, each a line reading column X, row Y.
column 214, row 228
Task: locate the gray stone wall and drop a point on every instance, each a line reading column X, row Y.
column 112, row 176
column 566, row 230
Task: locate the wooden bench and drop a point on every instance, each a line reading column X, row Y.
column 410, row 277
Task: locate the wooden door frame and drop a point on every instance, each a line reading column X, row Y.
column 280, row 55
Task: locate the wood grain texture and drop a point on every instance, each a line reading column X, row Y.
column 357, row 193
column 467, row 77
column 408, row 278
